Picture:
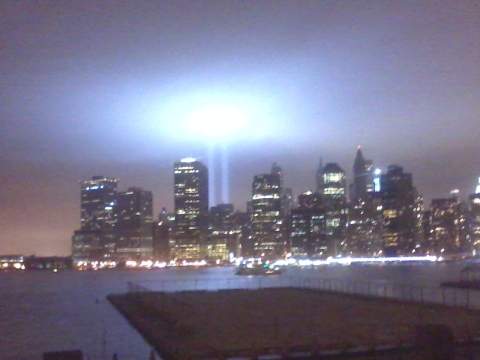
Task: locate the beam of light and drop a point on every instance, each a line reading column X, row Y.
column 225, row 175
column 211, row 175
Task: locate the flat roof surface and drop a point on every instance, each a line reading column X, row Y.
column 203, row 324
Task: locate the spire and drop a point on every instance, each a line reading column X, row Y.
column 477, row 189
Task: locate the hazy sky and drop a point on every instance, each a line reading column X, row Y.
column 96, row 87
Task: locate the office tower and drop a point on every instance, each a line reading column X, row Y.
column 307, row 226
column 242, row 221
column 266, row 217
column 96, row 238
column 419, row 213
column 224, row 233
column 134, row 224
column 364, row 236
column 363, row 176
column 287, row 202
column 333, row 192
column 191, row 209
column 162, row 235
column 448, row 226
column 398, row 197
column 474, row 219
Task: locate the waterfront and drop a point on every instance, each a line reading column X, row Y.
column 46, row 311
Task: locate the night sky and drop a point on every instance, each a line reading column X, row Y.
column 94, row 87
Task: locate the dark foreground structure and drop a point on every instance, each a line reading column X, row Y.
column 297, row 323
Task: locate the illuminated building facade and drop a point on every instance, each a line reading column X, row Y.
column 224, row 233
column 162, row 235
column 134, row 227
column 398, row 197
column 364, row 236
column 333, row 192
column 266, row 216
column 307, row 226
column 191, row 209
column 364, row 224
column 96, row 237
column 474, row 219
column 447, row 224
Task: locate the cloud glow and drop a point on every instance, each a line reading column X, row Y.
column 221, row 117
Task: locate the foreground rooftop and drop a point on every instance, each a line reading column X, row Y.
column 248, row 323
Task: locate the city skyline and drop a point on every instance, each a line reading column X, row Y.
column 98, row 94
column 347, row 184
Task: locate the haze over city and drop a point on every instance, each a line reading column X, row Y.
column 93, row 88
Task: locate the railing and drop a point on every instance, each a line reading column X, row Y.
column 378, row 289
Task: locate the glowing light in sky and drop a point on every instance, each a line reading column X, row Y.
column 216, row 121
column 215, row 117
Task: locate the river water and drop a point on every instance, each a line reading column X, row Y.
column 46, row 311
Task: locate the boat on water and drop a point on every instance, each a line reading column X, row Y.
column 257, row 268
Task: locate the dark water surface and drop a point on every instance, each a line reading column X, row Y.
column 46, row 311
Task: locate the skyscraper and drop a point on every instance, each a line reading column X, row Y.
column 333, row 192
column 224, row 233
column 191, row 209
column 307, row 232
column 447, row 225
column 134, row 224
column 162, row 231
column 363, row 236
column 398, row 197
column 96, row 238
column 474, row 218
column 266, row 214
column 362, row 177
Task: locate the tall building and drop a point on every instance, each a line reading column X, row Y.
column 474, row 219
column 191, row 209
column 307, row 226
column 364, row 236
column 266, row 211
column 363, row 176
column 333, row 192
column 363, row 231
column 162, row 235
column 224, row 233
column 134, row 228
column 398, row 197
column 96, row 237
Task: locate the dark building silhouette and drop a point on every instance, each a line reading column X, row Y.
column 242, row 221
column 134, row 228
column 333, row 192
column 364, row 222
column 191, row 209
column 224, row 233
column 307, row 226
column 162, row 235
column 96, row 237
column 363, row 175
column 398, row 202
column 266, row 211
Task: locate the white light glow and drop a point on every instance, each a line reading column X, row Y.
column 214, row 116
column 217, row 121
